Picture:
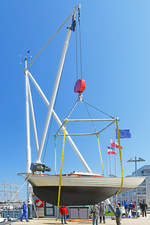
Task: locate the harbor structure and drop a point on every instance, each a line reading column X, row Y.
column 9, row 192
column 142, row 192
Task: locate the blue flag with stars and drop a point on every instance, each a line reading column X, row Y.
column 123, row 134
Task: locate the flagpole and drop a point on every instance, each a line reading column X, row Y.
column 110, row 164
column 116, row 164
column 115, row 155
column 107, row 163
column 112, row 149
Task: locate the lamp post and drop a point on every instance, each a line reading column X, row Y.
column 135, row 160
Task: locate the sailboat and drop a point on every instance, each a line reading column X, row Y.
column 76, row 188
column 80, row 188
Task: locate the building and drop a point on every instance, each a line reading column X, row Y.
column 142, row 192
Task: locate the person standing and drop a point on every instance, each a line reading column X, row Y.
column 102, row 212
column 63, row 211
column 144, row 208
column 126, row 208
column 118, row 215
column 25, row 212
column 95, row 214
column 130, row 206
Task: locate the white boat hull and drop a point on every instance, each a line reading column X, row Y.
column 79, row 190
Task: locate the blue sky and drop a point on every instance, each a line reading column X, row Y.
column 116, row 53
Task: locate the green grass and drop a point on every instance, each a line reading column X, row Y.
column 109, row 213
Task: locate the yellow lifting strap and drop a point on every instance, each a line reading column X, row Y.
column 100, row 154
column 62, row 157
column 55, row 154
column 122, row 178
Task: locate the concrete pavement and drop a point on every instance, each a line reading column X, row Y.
column 49, row 221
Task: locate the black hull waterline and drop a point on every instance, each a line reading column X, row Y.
column 75, row 195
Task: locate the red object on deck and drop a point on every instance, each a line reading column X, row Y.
column 79, row 86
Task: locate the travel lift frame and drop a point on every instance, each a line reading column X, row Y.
column 50, row 104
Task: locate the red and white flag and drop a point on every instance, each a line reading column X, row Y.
column 111, row 151
column 117, row 145
column 114, row 144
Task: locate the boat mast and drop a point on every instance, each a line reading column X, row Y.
column 54, row 93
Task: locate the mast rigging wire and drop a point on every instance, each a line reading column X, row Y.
column 99, row 110
column 80, row 42
column 92, row 122
column 51, row 38
column 76, row 53
column 72, row 109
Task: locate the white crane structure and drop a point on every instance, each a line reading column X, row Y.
column 30, row 109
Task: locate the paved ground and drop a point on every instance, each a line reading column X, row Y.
column 48, row 221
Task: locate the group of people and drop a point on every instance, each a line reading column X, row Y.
column 63, row 211
column 98, row 213
column 131, row 208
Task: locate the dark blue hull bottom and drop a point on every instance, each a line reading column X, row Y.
column 74, row 195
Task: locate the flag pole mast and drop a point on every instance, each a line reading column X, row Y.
column 115, row 158
column 116, row 164
column 107, row 163
column 110, row 164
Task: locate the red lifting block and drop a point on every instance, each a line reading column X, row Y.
column 79, row 86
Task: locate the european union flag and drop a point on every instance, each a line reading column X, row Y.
column 123, row 134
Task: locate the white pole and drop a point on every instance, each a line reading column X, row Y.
column 33, row 118
column 110, row 164
column 107, row 162
column 116, row 164
column 51, row 105
column 60, row 124
column 115, row 154
column 29, row 188
column 27, row 120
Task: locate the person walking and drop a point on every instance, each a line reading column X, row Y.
column 102, row 212
column 25, row 212
column 63, row 211
column 95, row 214
column 118, row 215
